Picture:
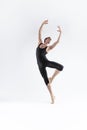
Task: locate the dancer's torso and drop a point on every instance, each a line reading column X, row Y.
column 41, row 56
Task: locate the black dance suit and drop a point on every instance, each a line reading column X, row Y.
column 43, row 62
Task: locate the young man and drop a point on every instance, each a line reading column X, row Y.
column 42, row 49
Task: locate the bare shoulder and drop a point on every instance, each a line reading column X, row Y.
column 39, row 44
column 40, row 41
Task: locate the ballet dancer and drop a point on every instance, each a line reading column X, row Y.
column 42, row 49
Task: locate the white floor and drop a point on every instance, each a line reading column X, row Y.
column 43, row 116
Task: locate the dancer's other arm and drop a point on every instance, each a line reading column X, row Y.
column 40, row 30
column 56, row 42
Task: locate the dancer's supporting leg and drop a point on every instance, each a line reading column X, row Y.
column 51, row 93
column 45, row 77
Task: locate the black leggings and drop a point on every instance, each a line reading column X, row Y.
column 50, row 64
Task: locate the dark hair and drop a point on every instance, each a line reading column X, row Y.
column 47, row 38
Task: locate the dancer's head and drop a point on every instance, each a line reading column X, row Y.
column 47, row 40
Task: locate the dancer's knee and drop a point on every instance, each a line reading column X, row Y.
column 46, row 81
column 61, row 68
column 48, row 84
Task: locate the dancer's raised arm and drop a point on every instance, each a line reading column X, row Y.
column 40, row 30
column 56, row 42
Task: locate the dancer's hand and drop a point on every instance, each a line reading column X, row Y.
column 59, row 29
column 45, row 22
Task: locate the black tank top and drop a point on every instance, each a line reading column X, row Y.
column 41, row 56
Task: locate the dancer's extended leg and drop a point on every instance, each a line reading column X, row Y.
column 58, row 68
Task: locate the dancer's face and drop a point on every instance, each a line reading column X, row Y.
column 48, row 40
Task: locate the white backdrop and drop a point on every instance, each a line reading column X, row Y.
column 20, row 80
